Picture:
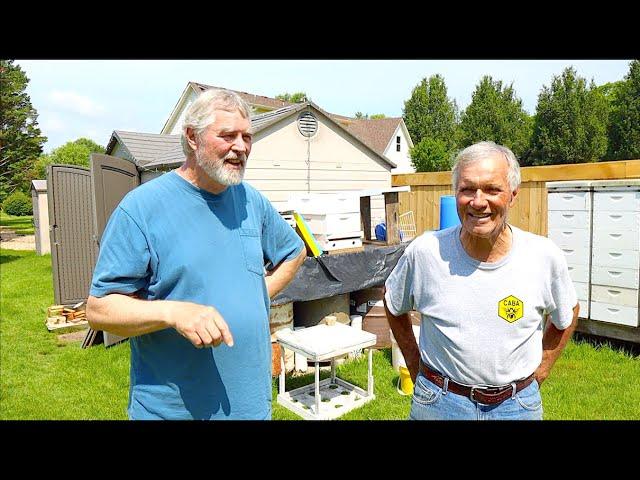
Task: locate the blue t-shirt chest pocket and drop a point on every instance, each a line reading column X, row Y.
column 252, row 250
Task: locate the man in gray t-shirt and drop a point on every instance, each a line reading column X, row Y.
column 484, row 289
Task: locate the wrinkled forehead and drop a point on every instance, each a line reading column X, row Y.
column 489, row 167
column 231, row 120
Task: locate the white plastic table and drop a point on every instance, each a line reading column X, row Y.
column 332, row 397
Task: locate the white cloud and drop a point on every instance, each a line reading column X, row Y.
column 76, row 103
column 49, row 122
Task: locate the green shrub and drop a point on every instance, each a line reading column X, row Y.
column 430, row 155
column 18, row 204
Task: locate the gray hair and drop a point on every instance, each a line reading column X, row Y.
column 482, row 150
column 202, row 112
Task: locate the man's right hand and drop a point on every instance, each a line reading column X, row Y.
column 201, row 325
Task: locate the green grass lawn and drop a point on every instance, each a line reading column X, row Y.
column 21, row 225
column 42, row 377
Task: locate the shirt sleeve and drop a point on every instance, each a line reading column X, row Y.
column 563, row 294
column 280, row 242
column 123, row 261
column 399, row 285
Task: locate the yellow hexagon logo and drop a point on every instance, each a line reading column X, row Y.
column 511, row 309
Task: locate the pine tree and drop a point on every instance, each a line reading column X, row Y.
column 20, row 138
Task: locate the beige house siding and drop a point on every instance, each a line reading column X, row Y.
column 401, row 158
column 278, row 162
column 175, row 127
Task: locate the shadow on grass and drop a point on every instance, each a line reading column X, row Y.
column 8, row 258
column 387, row 354
column 596, row 341
column 292, row 383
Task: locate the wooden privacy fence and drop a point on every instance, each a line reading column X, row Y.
column 530, row 210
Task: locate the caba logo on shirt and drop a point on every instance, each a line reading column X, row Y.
column 511, row 308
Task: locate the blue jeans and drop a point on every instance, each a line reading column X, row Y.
column 430, row 402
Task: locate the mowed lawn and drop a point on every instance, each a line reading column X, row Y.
column 20, row 225
column 42, row 376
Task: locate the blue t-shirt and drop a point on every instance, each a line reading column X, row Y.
column 169, row 240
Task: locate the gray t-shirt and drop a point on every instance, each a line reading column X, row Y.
column 482, row 322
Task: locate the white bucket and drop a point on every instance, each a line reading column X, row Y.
column 397, row 360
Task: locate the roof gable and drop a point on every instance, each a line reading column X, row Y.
column 250, row 98
column 375, row 132
column 262, row 121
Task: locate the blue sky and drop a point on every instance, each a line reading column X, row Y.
column 91, row 98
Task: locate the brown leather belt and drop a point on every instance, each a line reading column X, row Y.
column 484, row 395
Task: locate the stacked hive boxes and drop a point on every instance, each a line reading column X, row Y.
column 333, row 218
column 615, row 258
column 569, row 225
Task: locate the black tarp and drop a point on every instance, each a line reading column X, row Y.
column 330, row 275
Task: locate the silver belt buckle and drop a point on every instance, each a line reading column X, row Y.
column 471, row 394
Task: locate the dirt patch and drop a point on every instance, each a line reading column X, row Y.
column 23, row 242
column 70, row 337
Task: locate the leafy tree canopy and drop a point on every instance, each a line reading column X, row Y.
column 375, row 116
column 571, row 121
column 495, row 113
column 297, row 97
column 624, row 124
column 71, row 153
column 429, row 113
column 430, row 155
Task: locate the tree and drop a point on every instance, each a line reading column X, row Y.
column 571, row 122
column 496, row 114
column 20, row 138
column 624, row 123
column 71, row 153
column 366, row 116
column 297, row 97
column 610, row 90
column 430, row 114
column 431, row 155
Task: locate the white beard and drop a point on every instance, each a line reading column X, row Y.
column 217, row 171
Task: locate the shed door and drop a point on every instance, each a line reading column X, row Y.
column 112, row 178
column 73, row 250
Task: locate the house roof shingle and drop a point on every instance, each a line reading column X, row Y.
column 374, row 132
column 144, row 147
column 248, row 97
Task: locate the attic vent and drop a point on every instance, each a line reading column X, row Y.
column 307, row 124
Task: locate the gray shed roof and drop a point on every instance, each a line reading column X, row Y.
column 173, row 157
column 144, row 148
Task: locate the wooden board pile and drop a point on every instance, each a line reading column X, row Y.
column 60, row 316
